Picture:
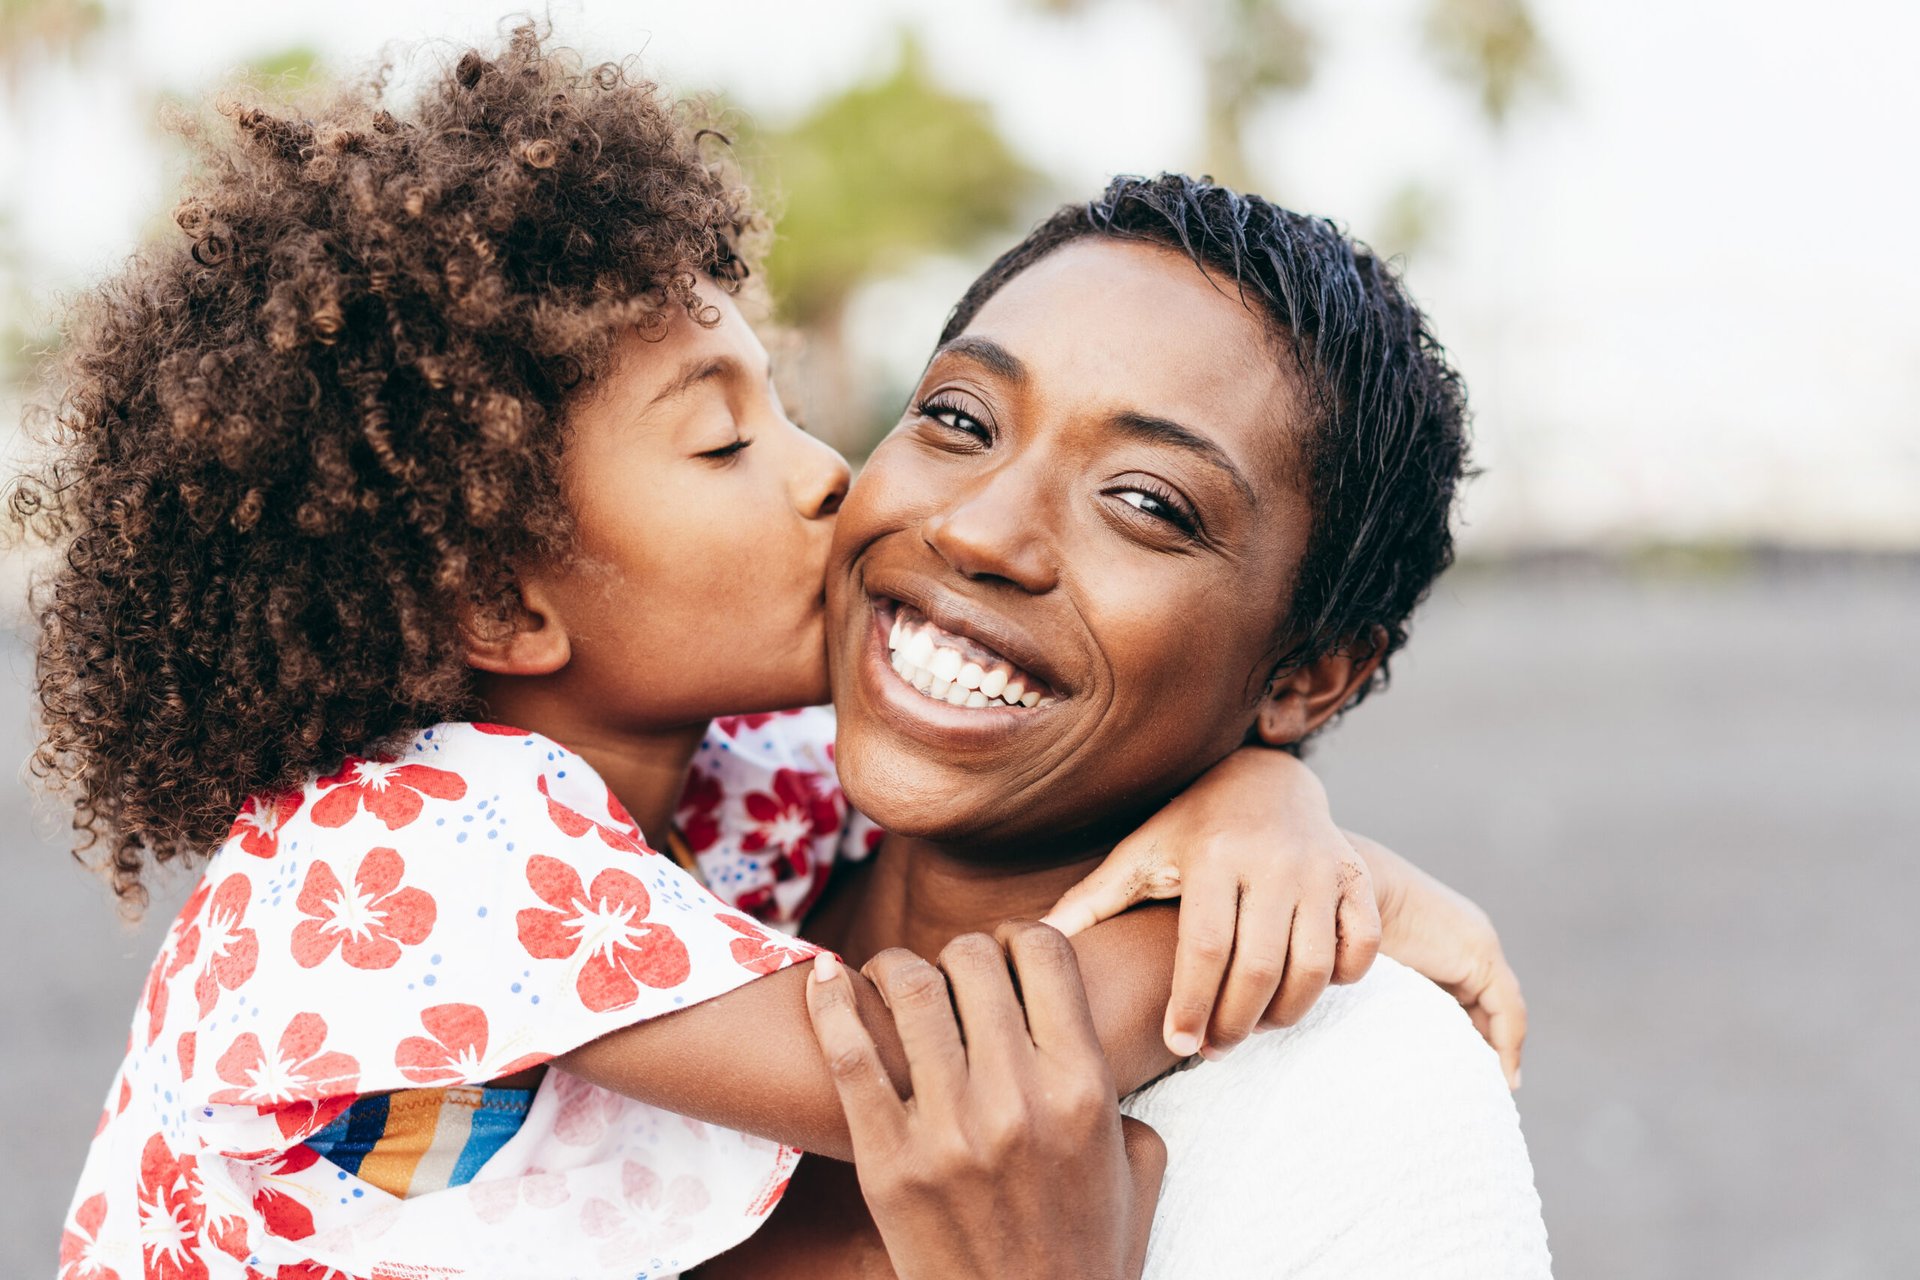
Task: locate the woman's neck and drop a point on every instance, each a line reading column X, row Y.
column 645, row 770
column 917, row 895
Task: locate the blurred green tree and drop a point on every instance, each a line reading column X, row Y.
column 868, row 181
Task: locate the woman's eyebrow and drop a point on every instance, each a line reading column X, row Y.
column 1142, row 426
column 985, row 351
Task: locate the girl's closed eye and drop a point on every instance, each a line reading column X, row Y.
column 726, row 451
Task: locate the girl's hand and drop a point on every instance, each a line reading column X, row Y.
column 1274, row 901
column 1011, row 1158
column 1446, row 937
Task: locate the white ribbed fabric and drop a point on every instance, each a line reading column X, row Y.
column 1374, row 1141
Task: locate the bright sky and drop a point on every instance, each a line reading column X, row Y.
column 1680, row 289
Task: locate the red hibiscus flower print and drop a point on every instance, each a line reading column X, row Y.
column 698, row 816
column 370, row 922
column 280, row 1204
column 390, row 791
column 786, row 822
column 181, row 946
column 169, row 1198
column 312, row 1271
column 799, row 809
column 577, row 824
column 300, row 1073
column 226, row 1230
column 261, row 817
column 734, row 726
column 457, row 1052
column 80, row 1239
column 760, row 950
column 231, row 950
column 607, row 925
column 185, row 1051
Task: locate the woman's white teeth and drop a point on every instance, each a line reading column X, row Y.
column 918, row 649
column 947, row 675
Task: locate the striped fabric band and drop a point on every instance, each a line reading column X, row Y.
column 413, row 1141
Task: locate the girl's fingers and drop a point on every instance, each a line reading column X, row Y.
column 1058, row 1017
column 1506, row 1020
column 1358, row 944
column 876, row 1118
column 1309, row 967
column 1259, row 964
column 1131, row 874
column 1207, row 913
column 991, row 1020
column 916, row 993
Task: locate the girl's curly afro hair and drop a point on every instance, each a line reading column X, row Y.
column 295, row 443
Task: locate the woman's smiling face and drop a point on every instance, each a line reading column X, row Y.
column 1090, row 508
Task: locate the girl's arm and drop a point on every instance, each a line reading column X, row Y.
column 747, row 1059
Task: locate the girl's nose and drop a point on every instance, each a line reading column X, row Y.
column 821, row 480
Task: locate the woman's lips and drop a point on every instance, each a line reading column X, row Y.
column 898, row 699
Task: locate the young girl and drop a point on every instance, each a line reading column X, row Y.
column 425, row 427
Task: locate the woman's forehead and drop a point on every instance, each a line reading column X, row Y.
column 1135, row 327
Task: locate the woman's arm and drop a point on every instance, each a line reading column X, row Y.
column 748, row 1060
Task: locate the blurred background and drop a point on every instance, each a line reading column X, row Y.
column 1661, row 721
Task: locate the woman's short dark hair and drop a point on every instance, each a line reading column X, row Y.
column 1386, row 449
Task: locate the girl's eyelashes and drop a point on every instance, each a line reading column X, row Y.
column 951, row 414
column 725, row 451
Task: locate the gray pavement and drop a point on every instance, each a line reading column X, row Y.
column 1691, row 803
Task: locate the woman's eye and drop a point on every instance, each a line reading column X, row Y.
column 725, row 451
column 954, row 418
column 1158, row 506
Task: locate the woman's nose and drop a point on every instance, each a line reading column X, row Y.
column 821, row 481
column 996, row 530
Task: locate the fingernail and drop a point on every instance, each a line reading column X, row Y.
column 1211, row 1053
column 826, row 967
column 1183, row 1043
column 1516, row 1079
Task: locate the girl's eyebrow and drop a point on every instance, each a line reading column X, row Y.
column 692, row 374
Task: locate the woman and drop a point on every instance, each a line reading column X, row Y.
column 1176, row 422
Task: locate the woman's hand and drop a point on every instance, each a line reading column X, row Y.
column 1445, row 936
column 1274, row 901
column 1011, row 1158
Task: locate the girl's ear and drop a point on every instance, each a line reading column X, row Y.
column 1303, row 698
column 523, row 636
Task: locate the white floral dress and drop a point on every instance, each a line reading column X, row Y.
column 475, row 906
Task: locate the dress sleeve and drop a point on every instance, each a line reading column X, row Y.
column 763, row 814
column 477, row 905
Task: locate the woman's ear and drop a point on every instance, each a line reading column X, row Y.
column 1301, row 699
column 522, row 636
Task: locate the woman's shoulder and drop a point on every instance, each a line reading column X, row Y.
column 1380, row 1128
